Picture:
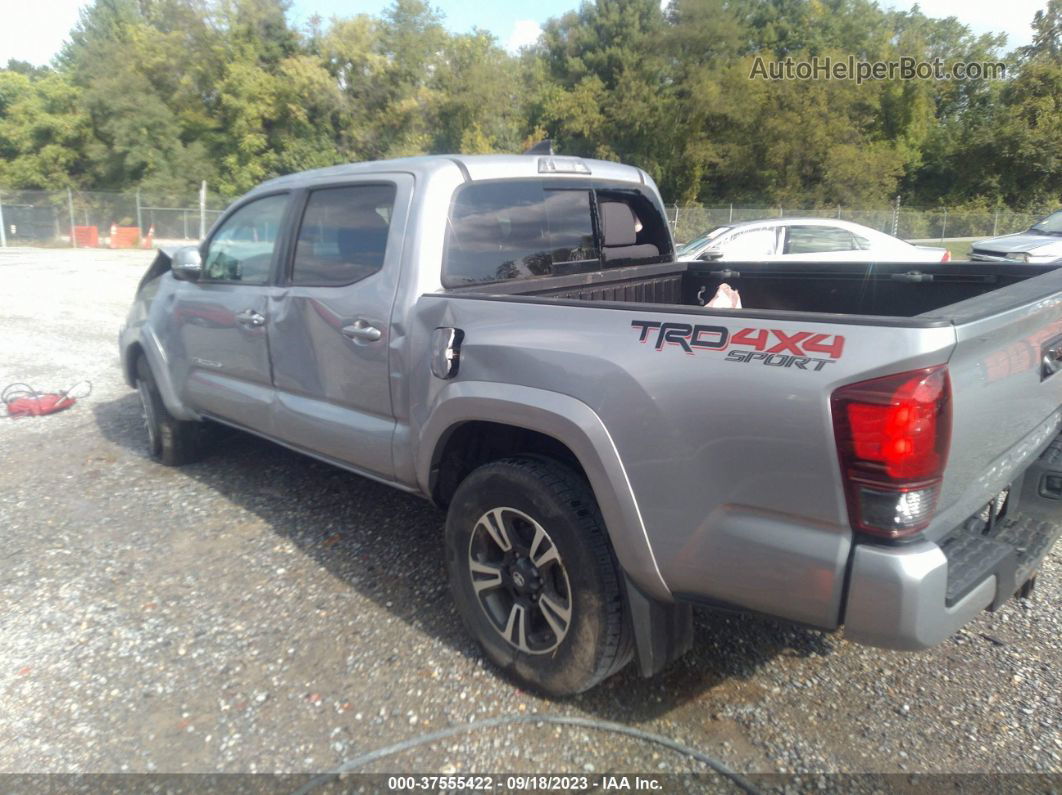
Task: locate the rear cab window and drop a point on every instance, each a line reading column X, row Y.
column 528, row 228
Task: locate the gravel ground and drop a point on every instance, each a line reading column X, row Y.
column 260, row 611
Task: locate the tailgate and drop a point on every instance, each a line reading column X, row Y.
column 1005, row 399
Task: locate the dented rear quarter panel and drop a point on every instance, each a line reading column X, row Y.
column 715, row 464
column 731, row 463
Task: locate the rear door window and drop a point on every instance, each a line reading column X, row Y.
column 518, row 229
column 343, row 235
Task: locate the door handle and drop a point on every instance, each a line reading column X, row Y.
column 249, row 317
column 362, row 331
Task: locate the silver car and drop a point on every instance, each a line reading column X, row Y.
column 1041, row 242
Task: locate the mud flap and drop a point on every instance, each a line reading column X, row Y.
column 662, row 632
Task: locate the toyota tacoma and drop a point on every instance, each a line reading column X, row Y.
column 866, row 445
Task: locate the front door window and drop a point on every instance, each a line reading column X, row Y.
column 242, row 249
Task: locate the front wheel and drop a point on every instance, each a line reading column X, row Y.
column 171, row 441
column 534, row 576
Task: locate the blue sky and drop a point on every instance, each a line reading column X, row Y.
column 512, row 23
column 36, row 35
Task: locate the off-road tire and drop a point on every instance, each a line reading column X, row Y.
column 598, row 640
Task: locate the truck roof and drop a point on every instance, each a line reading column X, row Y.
column 473, row 167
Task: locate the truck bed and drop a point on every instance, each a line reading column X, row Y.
column 881, row 290
column 742, row 446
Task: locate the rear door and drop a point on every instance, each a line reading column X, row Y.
column 330, row 321
column 220, row 319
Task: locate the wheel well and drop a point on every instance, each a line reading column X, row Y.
column 134, row 352
column 473, row 444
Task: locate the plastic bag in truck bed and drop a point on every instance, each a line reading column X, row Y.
column 726, row 297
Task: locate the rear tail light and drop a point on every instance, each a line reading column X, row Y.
column 946, row 257
column 892, row 437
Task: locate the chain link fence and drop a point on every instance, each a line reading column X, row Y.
column 68, row 218
column 689, row 221
column 88, row 218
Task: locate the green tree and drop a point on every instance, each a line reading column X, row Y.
column 608, row 90
column 1003, row 147
column 481, row 97
column 384, row 70
column 161, row 94
column 43, row 132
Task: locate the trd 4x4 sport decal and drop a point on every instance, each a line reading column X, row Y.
column 771, row 347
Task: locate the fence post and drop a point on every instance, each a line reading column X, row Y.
column 139, row 222
column 995, row 223
column 944, row 225
column 70, row 205
column 896, row 217
column 3, row 232
column 731, row 213
column 202, row 210
column 675, row 230
column 838, row 212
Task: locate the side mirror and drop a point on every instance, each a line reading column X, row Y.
column 710, row 256
column 187, row 264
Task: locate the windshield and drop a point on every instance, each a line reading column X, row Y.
column 696, row 243
column 1051, row 225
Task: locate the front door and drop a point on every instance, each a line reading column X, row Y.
column 221, row 318
column 329, row 324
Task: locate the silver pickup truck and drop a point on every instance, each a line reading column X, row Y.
column 874, row 446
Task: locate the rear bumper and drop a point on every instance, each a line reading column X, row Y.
column 916, row 595
column 908, row 597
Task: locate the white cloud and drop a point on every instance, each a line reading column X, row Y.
column 525, row 33
column 35, row 34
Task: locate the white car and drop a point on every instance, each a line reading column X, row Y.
column 805, row 240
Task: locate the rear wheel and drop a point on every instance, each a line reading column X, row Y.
column 171, row 441
column 534, row 575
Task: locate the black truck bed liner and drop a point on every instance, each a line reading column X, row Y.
column 899, row 290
